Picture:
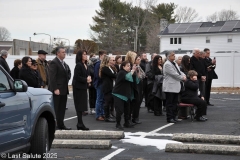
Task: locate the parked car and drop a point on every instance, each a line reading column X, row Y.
column 27, row 117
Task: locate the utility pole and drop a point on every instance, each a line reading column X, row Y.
column 135, row 44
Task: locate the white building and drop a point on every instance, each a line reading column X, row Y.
column 219, row 37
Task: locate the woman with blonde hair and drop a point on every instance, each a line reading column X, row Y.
column 130, row 57
column 108, row 76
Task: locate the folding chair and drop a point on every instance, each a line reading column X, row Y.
column 192, row 109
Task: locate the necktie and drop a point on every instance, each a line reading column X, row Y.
column 63, row 65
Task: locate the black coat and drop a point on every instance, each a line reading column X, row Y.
column 107, row 77
column 143, row 64
column 199, row 66
column 15, row 73
column 117, row 67
column 4, row 64
column 211, row 74
column 28, row 75
column 191, row 90
column 80, row 77
column 59, row 76
column 122, row 86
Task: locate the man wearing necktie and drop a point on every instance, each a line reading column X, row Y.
column 59, row 75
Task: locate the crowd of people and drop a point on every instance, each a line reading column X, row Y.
column 113, row 86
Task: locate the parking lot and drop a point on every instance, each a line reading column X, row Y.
column 145, row 141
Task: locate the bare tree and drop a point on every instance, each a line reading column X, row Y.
column 186, row 14
column 223, row 15
column 152, row 39
column 4, row 34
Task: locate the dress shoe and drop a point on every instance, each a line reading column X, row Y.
column 64, row 128
column 209, row 104
column 128, row 125
column 84, row 113
column 136, row 121
column 177, row 120
column 109, row 120
column 119, row 126
column 84, row 128
column 200, row 119
column 205, row 118
column 100, row 119
column 171, row 121
column 150, row 111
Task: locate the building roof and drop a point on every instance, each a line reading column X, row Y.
column 202, row 27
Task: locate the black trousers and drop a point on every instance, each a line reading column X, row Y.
column 121, row 107
column 201, row 87
column 92, row 94
column 144, row 91
column 208, row 86
column 108, row 103
column 157, row 103
column 150, row 96
column 60, row 102
column 171, row 105
column 200, row 104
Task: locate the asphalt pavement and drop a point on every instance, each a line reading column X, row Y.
column 223, row 119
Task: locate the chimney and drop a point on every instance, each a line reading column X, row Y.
column 163, row 24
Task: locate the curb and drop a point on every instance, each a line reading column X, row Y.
column 78, row 134
column 82, row 144
column 203, row 149
column 206, row 138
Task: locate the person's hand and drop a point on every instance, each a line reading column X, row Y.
column 89, row 79
column 203, row 78
column 184, row 78
column 57, row 92
column 194, row 78
column 214, row 61
column 209, row 69
column 134, row 67
column 202, row 98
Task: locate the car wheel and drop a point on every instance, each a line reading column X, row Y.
column 40, row 140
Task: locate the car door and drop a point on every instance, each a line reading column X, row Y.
column 14, row 114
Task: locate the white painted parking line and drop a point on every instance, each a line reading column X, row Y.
column 156, row 130
column 113, row 154
column 70, row 118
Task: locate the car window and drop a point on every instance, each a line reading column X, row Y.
column 4, row 84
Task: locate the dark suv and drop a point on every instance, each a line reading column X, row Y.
column 27, row 117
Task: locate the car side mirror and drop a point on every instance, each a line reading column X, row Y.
column 20, row 86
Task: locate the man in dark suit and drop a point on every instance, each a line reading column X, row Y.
column 211, row 65
column 59, row 75
column 3, row 62
column 143, row 66
column 198, row 64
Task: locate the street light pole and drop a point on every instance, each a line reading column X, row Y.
column 135, row 46
column 68, row 44
column 49, row 41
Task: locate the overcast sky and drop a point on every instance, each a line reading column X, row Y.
column 70, row 19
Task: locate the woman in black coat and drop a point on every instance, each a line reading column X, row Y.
column 157, row 100
column 108, row 76
column 27, row 74
column 190, row 95
column 80, row 83
column 15, row 71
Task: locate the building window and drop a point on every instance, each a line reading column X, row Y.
column 175, row 40
column 179, row 40
column 229, row 39
column 207, row 40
